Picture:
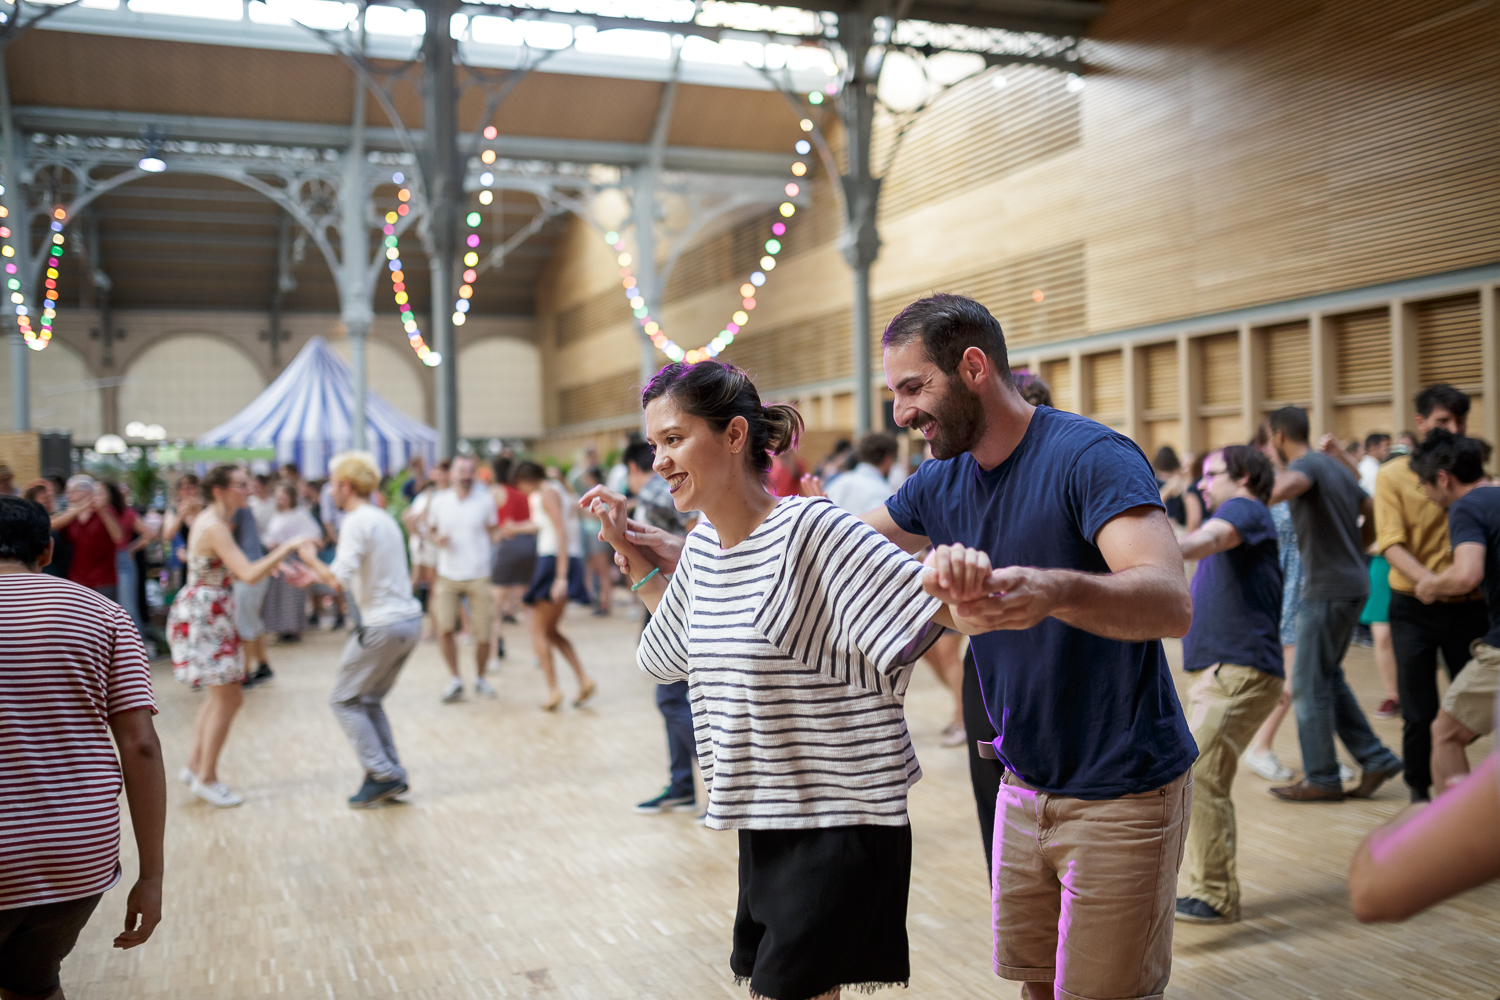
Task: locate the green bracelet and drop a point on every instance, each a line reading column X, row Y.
column 644, row 580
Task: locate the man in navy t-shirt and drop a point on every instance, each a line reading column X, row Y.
column 1235, row 647
column 1089, row 579
column 1451, row 468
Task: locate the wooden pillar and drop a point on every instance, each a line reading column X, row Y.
column 1252, row 380
column 1405, row 378
column 1189, row 395
column 1489, row 333
column 1135, row 393
column 1075, row 369
column 1324, row 376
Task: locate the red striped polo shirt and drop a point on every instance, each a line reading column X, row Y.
column 69, row 660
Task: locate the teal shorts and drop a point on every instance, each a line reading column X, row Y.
column 1378, row 608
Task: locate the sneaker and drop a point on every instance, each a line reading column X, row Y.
column 483, row 688
column 1267, row 765
column 1196, row 911
column 373, row 792
column 454, row 691
column 1388, row 708
column 187, row 777
column 264, row 673
column 250, row 681
column 499, row 649
column 509, row 619
column 954, row 735
column 216, row 794
column 1346, row 773
column 667, row 802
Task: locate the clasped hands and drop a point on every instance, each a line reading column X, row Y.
column 985, row 599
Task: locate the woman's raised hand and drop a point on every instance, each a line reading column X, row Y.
column 957, row 574
column 609, row 507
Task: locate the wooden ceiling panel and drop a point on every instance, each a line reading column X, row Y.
column 727, row 118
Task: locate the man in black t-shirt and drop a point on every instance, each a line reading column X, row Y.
column 1326, row 504
column 1235, row 646
column 1451, row 468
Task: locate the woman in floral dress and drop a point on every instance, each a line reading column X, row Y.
column 201, row 628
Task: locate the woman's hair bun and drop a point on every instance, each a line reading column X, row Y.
column 784, row 427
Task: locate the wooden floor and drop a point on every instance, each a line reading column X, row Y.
column 517, row 868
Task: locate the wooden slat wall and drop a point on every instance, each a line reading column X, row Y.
column 1221, row 370
column 974, row 133
column 780, row 357
column 1036, row 298
column 1059, row 378
column 1288, row 364
column 612, row 396
column 1448, row 345
column 1107, row 387
column 1362, row 353
column 1162, row 392
column 583, row 319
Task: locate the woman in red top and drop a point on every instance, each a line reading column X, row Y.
column 515, row 556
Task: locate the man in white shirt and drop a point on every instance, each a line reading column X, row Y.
column 1377, row 451
column 462, row 522
column 370, row 568
column 866, row 488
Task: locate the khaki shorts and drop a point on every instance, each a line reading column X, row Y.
column 1471, row 696
column 445, row 596
column 1085, row 891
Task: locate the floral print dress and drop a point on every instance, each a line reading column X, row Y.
column 200, row 627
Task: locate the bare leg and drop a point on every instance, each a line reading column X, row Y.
column 482, row 652
column 449, row 646
column 1267, row 732
column 214, row 718
column 255, row 654
column 603, row 570
column 544, row 616
column 1450, row 758
column 1385, row 658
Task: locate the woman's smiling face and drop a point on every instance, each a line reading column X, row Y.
column 696, row 462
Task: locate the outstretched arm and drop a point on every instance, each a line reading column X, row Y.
column 1144, row 595
column 1216, row 535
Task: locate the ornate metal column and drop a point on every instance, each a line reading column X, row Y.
column 442, row 169
column 15, row 200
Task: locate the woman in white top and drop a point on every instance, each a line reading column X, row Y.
column 558, row 575
column 796, row 627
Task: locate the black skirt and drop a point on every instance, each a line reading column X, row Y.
column 515, row 562
column 546, row 573
column 821, row 909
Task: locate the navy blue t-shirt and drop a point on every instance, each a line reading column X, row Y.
column 1475, row 517
column 1076, row 714
column 1237, row 596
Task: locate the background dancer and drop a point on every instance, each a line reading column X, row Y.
column 515, row 556
column 795, row 626
column 284, row 612
column 1234, row 646
column 461, row 521
column 201, row 626
column 557, row 579
column 424, row 554
column 1451, row 468
column 370, row 569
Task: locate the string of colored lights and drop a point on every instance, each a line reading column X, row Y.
column 473, row 219
column 429, row 357
column 36, row 335
column 741, row 316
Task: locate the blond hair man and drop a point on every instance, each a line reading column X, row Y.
column 369, row 568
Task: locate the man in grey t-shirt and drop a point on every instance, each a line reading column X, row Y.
column 249, row 600
column 1326, row 504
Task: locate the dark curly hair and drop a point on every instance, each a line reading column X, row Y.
column 718, row 393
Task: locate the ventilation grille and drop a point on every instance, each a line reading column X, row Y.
column 1362, row 345
column 611, row 396
column 1449, row 348
column 1221, row 369
column 1288, row 364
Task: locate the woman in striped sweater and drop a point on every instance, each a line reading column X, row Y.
column 796, row 627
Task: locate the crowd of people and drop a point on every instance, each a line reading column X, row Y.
column 1034, row 557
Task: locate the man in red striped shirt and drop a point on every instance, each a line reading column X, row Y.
column 73, row 671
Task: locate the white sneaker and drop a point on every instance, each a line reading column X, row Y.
column 216, row 794
column 483, row 689
column 187, row 777
column 1267, row 765
column 1346, row 773
column 454, row 691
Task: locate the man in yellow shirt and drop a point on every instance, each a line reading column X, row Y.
column 1412, row 533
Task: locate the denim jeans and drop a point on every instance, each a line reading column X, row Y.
column 672, row 700
column 1322, row 699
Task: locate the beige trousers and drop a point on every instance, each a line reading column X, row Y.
column 1225, row 708
column 1084, row 891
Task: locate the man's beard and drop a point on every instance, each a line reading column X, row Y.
column 959, row 421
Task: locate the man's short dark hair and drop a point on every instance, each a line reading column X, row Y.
column 948, row 325
column 1376, row 440
column 1250, row 464
column 1291, row 421
column 1443, row 395
column 640, row 454
column 876, row 448
column 1443, row 451
column 25, row 530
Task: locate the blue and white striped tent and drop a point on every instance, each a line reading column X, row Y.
column 307, row 415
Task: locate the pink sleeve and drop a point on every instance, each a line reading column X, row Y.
column 129, row 685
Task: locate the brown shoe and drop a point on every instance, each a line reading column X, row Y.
column 1370, row 781
column 1302, row 791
